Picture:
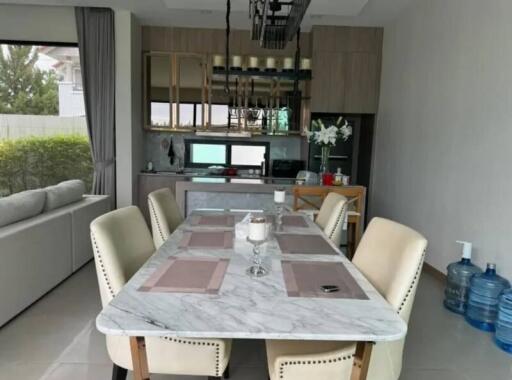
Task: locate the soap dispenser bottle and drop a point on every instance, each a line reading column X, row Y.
column 484, row 292
column 458, row 280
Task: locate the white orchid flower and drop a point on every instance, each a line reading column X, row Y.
column 328, row 136
column 309, row 135
column 346, row 131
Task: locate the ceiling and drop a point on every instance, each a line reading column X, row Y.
column 211, row 13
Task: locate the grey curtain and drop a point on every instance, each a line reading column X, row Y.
column 95, row 28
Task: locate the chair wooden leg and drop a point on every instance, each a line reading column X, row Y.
column 362, row 361
column 119, row 373
column 139, row 358
column 350, row 241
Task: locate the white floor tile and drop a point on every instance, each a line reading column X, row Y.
column 56, row 339
column 76, row 371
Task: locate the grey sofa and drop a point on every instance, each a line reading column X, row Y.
column 40, row 251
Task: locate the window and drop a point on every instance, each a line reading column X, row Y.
column 77, row 79
column 160, row 114
column 247, row 155
column 187, row 115
column 208, row 154
column 43, row 132
column 220, row 115
column 239, row 154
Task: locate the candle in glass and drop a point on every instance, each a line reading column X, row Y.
column 257, row 229
column 279, row 199
column 279, row 196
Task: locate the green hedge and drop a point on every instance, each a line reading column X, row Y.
column 35, row 162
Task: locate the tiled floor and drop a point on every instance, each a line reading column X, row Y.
column 56, row 340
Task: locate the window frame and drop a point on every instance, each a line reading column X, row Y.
column 228, row 144
column 51, row 43
column 38, row 43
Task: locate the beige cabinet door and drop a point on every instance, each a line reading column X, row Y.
column 328, row 84
column 361, row 83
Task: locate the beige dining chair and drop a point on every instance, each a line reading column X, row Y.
column 164, row 214
column 122, row 243
column 331, row 216
column 390, row 256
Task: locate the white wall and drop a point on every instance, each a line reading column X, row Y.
column 129, row 135
column 37, row 23
column 444, row 134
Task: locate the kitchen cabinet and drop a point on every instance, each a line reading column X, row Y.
column 346, row 69
column 174, row 90
column 361, row 83
column 328, row 85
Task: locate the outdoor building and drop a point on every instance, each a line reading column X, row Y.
column 67, row 68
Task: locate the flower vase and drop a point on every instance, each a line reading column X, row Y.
column 324, row 162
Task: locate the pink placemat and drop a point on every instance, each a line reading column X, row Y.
column 294, row 221
column 214, row 220
column 306, row 244
column 305, row 279
column 188, row 275
column 207, row 239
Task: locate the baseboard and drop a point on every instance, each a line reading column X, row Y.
column 427, row 268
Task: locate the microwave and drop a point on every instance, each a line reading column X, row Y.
column 286, row 168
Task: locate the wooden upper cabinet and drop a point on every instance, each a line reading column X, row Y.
column 346, row 69
column 345, row 39
column 328, row 85
column 362, row 83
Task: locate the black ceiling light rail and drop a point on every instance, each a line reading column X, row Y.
column 228, row 30
column 275, row 22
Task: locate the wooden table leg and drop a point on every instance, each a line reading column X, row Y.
column 357, row 233
column 351, row 244
column 362, row 361
column 139, row 358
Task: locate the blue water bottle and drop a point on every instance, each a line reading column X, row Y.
column 503, row 336
column 483, row 299
column 457, row 283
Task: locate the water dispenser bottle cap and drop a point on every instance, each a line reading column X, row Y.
column 491, row 266
column 466, row 249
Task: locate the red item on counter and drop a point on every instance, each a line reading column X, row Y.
column 327, row 179
column 231, row 171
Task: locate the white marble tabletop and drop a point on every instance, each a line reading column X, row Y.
column 245, row 307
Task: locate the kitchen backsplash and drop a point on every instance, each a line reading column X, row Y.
column 156, row 147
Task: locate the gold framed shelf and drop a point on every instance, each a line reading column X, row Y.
column 183, row 93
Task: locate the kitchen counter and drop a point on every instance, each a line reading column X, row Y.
column 234, row 193
column 197, row 182
column 203, row 191
column 211, row 178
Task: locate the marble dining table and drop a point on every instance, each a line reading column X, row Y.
column 247, row 307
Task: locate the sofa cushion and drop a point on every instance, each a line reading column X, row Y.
column 63, row 194
column 21, row 206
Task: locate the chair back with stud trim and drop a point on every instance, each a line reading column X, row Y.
column 121, row 243
column 332, row 216
column 391, row 256
column 164, row 214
